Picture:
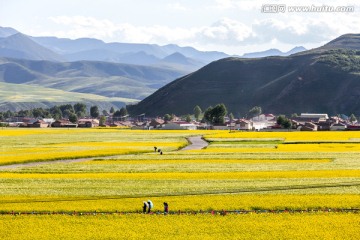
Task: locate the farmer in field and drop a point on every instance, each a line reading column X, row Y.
column 150, row 205
column 145, row 206
column 155, row 148
column 166, row 208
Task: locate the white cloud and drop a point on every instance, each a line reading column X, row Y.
column 271, row 30
column 177, row 6
column 225, row 31
column 245, row 5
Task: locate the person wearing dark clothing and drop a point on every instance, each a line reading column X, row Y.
column 150, row 205
column 161, row 153
column 166, row 208
column 155, row 149
column 145, row 206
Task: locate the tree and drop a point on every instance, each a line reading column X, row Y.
column 280, row 119
column 215, row 115
column 8, row 114
column 105, row 113
column 123, row 112
column 56, row 112
column 66, row 110
column 112, row 110
column 197, row 112
column 94, row 111
column 117, row 114
column 38, row 112
column 219, row 113
column 231, row 116
column 80, row 109
column 255, row 111
column 102, row 121
column 352, row 118
column 208, row 114
column 188, row 118
column 287, row 124
column 73, row 118
column 294, row 115
column 284, row 122
column 167, row 117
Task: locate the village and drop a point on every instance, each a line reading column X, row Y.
column 262, row 122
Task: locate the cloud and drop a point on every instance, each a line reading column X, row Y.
column 177, row 6
column 245, row 5
column 225, row 31
column 281, row 29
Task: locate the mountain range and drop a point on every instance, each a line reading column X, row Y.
column 325, row 79
column 274, row 52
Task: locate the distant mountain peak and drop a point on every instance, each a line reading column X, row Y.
column 274, row 52
column 7, row 31
column 20, row 45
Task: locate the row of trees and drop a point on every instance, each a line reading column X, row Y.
column 213, row 115
column 68, row 111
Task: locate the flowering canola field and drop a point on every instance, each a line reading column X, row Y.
column 239, row 171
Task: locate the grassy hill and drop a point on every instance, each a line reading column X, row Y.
column 101, row 78
column 311, row 81
column 23, row 96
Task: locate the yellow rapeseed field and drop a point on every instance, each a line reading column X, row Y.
column 252, row 226
column 239, row 170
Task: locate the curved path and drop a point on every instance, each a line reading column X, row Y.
column 196, row 142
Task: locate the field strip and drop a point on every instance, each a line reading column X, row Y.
column 196, row 143
column 35, row 164
column 189, row 175
column 186, row 212
column 235, row 191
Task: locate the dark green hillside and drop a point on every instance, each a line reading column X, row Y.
column 313, row 81
column 347, row 41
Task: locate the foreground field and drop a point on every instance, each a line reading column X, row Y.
column 118, row 170
column 261, row 226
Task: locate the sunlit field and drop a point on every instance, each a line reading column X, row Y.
column 291, row 185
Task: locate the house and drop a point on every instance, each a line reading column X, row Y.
column 338, row 127
column 63, row 123
column 220, row 127
column 88, row 123
column 322, row 116
column 324, row 125
column 264, row 117
column 353, row 127
column 178, row 125
column 309, row 126
column 243, row 124
column 39, row 124
column 156, row 123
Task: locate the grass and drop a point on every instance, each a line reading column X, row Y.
column 31, row 93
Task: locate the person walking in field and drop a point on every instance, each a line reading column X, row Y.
column 150, row 205
column 166, row 208
column 145, row 206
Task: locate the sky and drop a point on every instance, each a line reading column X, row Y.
column 231, row 26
